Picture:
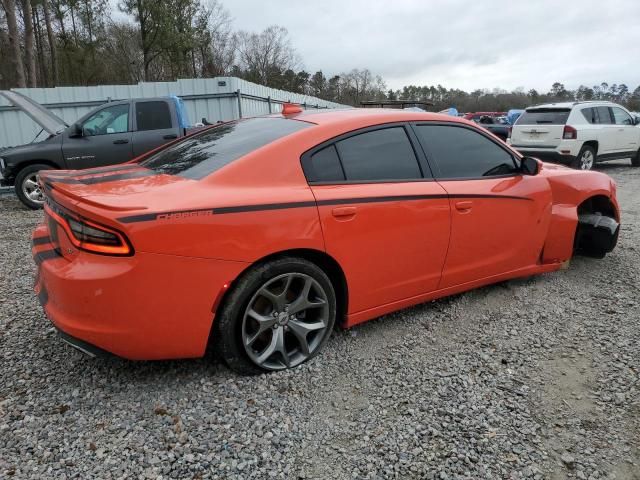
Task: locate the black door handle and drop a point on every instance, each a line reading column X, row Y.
column 171, row 136
column 120, row 142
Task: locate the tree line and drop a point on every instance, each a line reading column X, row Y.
column 45, row 43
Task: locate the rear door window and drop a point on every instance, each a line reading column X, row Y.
column 544, row 116
column 590, row 115
column 604, row 115
column 379, row 155
column 153, row 115
column 208, row 151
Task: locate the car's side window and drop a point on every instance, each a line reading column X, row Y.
column 461, row 152
column 604, row 116
column 325, row 166
column 109, row 120
column 153, row 115
column 378, row 155
column 590, row 115
column 621, row 117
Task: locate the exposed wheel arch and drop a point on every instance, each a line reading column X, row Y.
column 598, row 227
column 599, row 204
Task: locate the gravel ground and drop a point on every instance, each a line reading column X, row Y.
column 535, row 378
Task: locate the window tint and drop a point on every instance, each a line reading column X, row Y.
column 604, row 116
column 384, row 154
column 212, row 149
column 544, row 116
column 590, row 115
column 621, row 117
column 109, row 120
column 153, row 116
column 325, row 166
column 462, row 153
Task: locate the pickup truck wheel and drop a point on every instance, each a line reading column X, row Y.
column 586, row 159
column 27, row 187
column 635, row 160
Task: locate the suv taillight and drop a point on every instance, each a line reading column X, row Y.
column 569, row 133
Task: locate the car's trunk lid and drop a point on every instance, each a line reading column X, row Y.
column 116, row 188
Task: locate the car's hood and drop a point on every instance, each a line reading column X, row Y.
column 50, row 123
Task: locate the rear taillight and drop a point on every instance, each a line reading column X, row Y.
column 569, row 133
column 87, row 235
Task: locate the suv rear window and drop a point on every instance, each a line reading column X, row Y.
column 206, row 152
column 544, row 116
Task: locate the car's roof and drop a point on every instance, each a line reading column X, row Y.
column 570, row 105
column 370, row 115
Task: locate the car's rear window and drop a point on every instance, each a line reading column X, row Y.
column 544, row 116
column 206, row 152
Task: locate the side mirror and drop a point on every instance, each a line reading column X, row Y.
column 530, row 166
column 636, row 120
column 76, row 130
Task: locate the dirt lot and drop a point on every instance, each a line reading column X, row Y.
column 535, row 378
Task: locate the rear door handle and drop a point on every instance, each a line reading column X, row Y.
column 341, row 212
column 120, row 142
column 464, row 206
column 170, row 136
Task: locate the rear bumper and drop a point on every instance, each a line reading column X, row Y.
column 547, row 155
column 145, row 307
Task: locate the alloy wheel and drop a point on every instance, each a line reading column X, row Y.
column 586, row 160
column 32, row 190
column 285, row 321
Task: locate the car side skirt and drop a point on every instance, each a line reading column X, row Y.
column 363, row 316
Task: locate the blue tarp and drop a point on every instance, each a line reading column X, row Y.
column 513, row 115
column 181, row 110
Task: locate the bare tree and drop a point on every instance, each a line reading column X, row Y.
column 264, row 54
column 14, row 42
column 52, row 42
column 29, row 42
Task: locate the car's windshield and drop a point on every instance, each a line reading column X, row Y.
column 206, row 152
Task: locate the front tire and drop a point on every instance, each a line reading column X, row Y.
column 27, row 188
column 586, row 159
column 279, row 315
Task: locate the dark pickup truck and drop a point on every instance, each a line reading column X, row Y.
column 114, row 132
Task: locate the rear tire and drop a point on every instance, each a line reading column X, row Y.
column 27, row 188
column 635, row 160
column 586, row 159
column 268, row 322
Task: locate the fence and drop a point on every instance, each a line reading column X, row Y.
column 220, row 98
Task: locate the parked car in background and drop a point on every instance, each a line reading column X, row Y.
column 110, row 134
column 257, row 236
column 496, row 125
column 476, row 116
column 578, row 134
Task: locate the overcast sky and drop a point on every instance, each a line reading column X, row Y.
column 466, row 44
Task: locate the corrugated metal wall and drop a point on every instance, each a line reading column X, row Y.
column 212, row 98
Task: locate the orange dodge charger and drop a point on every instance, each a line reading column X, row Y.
column 255, row 237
